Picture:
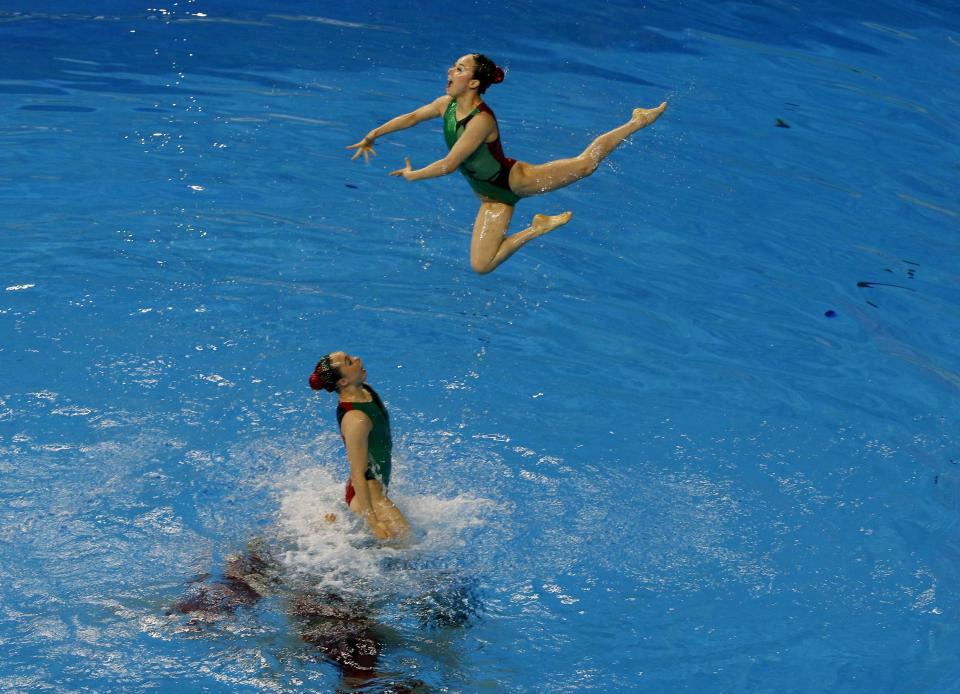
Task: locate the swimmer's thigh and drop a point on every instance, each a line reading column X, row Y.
column 493, row 220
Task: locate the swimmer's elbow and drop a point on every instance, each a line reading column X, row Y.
column 447, row 166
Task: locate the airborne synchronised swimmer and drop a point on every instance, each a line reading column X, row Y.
column 473, row 139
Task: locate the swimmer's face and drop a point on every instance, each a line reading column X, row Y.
column 350, row 368
column 460, row 76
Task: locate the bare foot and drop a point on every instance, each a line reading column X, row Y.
column 643, row 117
column 544, row 223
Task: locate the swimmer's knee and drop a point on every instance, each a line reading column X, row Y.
column 587, row 163
column 482, row 267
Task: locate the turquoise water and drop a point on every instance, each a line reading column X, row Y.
column 702, row 438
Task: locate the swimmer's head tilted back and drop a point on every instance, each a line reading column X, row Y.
column 486, row 72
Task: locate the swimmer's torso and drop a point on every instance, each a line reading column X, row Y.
column 379, row 442
column 487, row 170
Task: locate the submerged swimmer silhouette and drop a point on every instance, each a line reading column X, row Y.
column 473, row 138
column 365, row 428
column 342, row 628
column 246, row 578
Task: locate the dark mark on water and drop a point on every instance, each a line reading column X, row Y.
column 884, row 284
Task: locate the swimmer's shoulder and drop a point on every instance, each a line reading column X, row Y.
column 441, row 103
column 355, row 421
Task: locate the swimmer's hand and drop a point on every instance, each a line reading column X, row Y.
column 379, row 530
column 405, row 171
column 364, row 147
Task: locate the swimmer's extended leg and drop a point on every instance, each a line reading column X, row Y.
column 533, row 179
column 490, row 245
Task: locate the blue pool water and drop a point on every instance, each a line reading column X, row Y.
column 701, row 439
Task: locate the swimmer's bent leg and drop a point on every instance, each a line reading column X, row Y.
column 490, row 245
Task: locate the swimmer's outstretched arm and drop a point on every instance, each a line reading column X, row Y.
column 476, row 132
column 432, row 110
column 356, row 428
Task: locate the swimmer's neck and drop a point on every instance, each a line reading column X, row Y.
column 355, row 394
column 467, row 102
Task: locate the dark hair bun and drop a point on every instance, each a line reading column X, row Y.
column 323, row 379
column 486, row 72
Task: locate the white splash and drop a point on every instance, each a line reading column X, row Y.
column 342, row 556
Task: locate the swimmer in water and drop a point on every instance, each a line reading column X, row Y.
column 473, row 139
column 365, row 428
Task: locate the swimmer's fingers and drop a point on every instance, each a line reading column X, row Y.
column 405, row 169
column 364, row 148
column 366, row 152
